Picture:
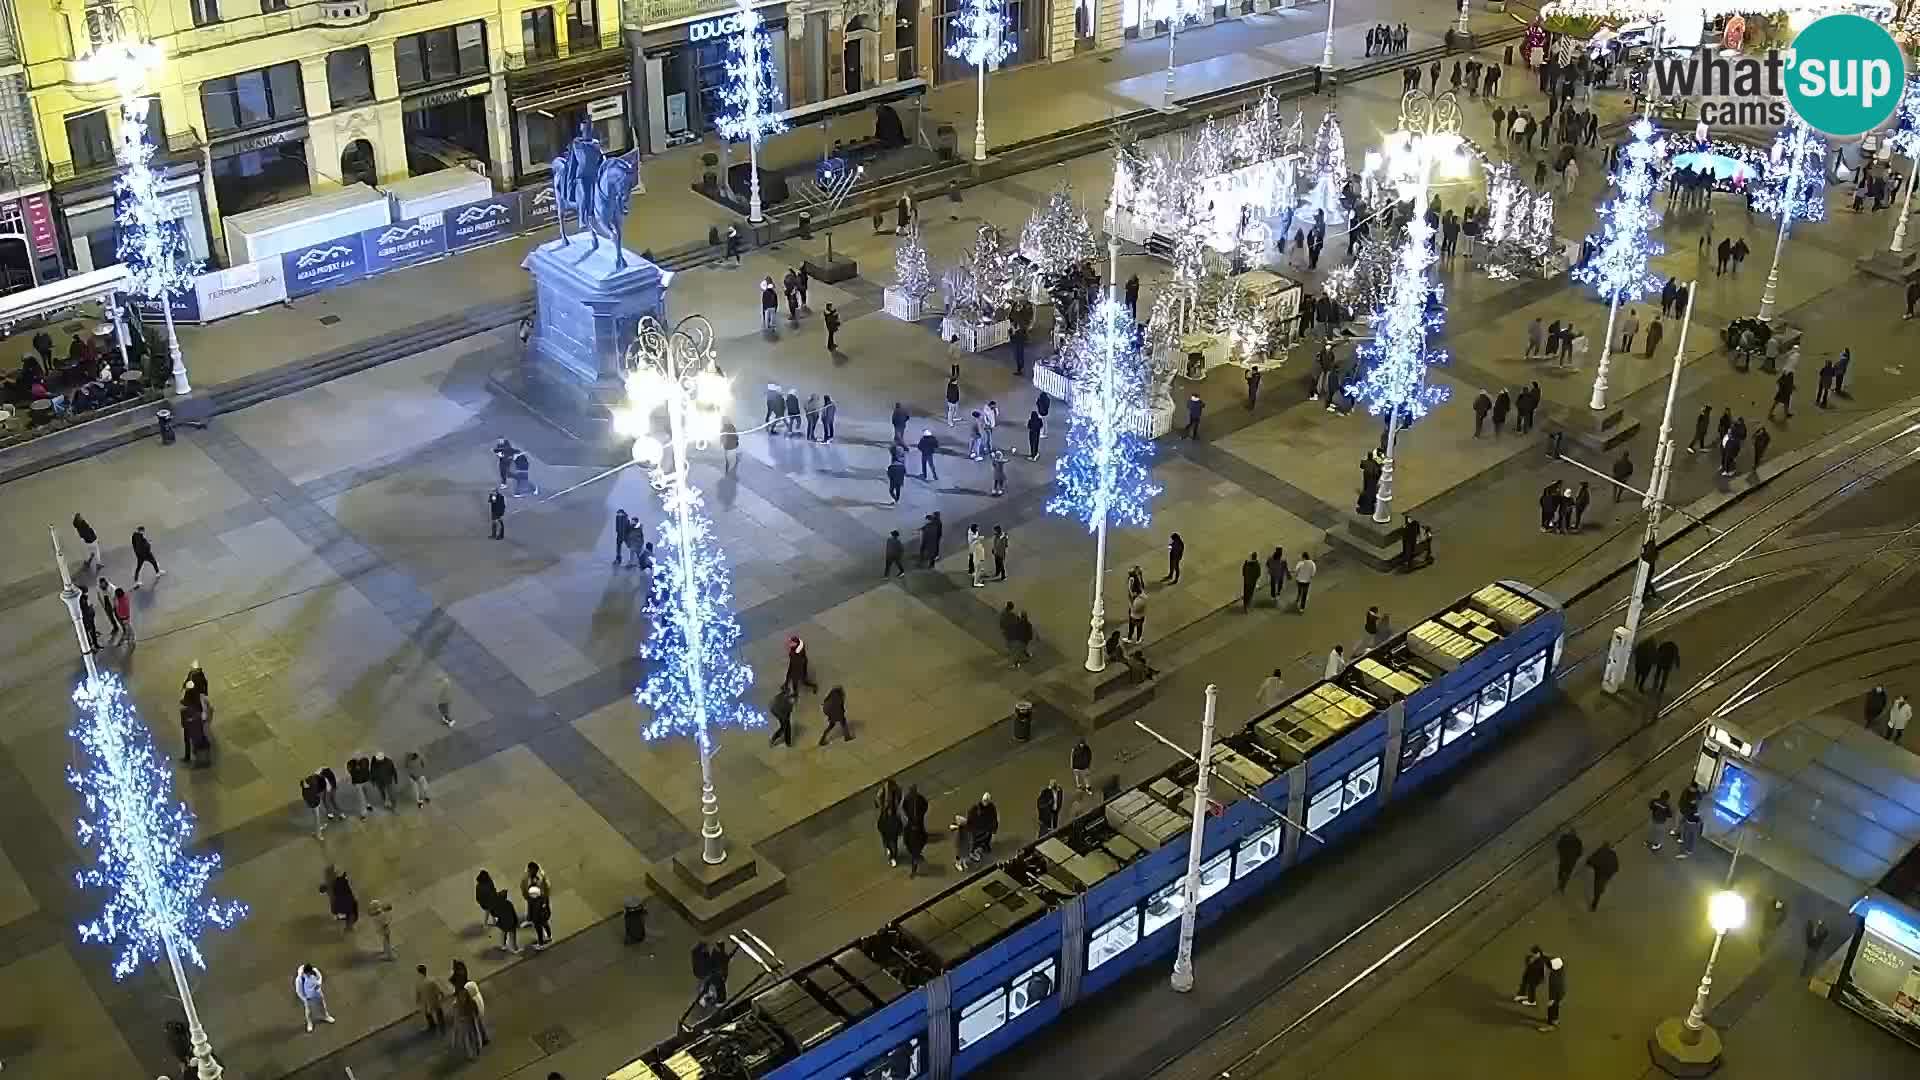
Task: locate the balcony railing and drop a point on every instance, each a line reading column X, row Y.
column 523, row 59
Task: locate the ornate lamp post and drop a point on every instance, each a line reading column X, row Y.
column 1429, row 133
column 752, row 97
column 1689, row 1047
column 1619, row 266
column 982, row 42
column 695, row 683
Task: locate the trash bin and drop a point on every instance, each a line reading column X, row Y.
column 1022, row 721
column 634, row 918
column 165, row 417
column 806, row 225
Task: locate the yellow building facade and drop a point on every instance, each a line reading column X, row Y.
column 263, row 101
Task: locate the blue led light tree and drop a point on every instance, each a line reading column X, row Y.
column 1905, row 139
column 1624, row 245
column 1104, row 473
column 156, row 904
column 1795, row 188
column 751, row 97
column 694, row 682
column 980, row 38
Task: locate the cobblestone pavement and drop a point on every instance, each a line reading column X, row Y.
column 327, row 566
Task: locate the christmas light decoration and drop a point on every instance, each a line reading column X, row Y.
column 157, row 899
column 1795, row 187
column 1104, row 472
column 1327, row 170
column 1394, row 382
column 1519, row 233
column 751, row 97
column 1624, row 246
column 980, row 38
column 1905, row 139
column 1057, row 238
column 150, row 245
column 1365, row 283
column 913, row 277
column 694, row 682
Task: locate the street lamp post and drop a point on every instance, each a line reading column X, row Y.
column 1183, row 958
column 1326, row 47
column 1461, row 27
column 1689, row 1046
column 1429, row 127
column 1905, row 139
column 1620, row 646
column 1798, row 195
column 981, row 40
column 677, row 370
column 206, row 1066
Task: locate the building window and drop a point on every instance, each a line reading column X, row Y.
column 536, row 34
column 267, row 7
column 250, row 98
column 583, row 26
column 451, row 52
column 205, row 12
column 89, row 140
column 349, row 76
column 906, row 34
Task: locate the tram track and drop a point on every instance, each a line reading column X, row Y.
column 1831, row 603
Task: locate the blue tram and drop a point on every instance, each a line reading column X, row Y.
column 939, row 991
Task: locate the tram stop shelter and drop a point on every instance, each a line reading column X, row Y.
column 1836, row 807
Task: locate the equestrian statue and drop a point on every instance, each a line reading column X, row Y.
column 597, row 188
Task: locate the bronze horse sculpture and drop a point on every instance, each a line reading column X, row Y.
column 597, row 188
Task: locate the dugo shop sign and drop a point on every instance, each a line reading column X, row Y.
column 711, row 29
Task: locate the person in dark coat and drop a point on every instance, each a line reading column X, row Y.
column 913, row 827
column 1048, row 806
column 1700, row 423
column 1532, row 972
column 1556, row 991
column 1876, row 705
column 897, row 478
column 1276, row 574
column 798, row 674
column 896, row 556
column 834, row 707
column 1249, row 580
column 1581, row 500
column 1482, row 405
column 1664, row 661
column 1605, row 863
column 983, row 818
column 1501, row 406
column 930, row 539
column 341, row 901
column 1659, row 820
column 1568, row 848
column 781, row 708
column 886, row 805
column 830, row 318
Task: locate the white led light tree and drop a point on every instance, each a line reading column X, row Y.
column 980, row 38
column 1795, row 189
column 751, row 97
column 1905, row 139
column 1624, row 246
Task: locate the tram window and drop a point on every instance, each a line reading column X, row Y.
column 1255, row 850
column 1117, row 936
column 904, row 1062
column 1324, row 807
column 982, row 1018
column 1032, row 987
column 1494, row 697
column 1419, row 744
column 1459, row 721
column 1531, row 674
column 1215, row 874
column 1166, row 905
column 1363, row 781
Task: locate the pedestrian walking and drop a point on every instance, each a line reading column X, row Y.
column 1482, row 405
column 998, row 459
column 1655, row 331
column 507, row 918
column 976, row 557
column 469, row 1014
column 92, row 628
column 1876, row 705
column 330, row 793
column 431, row 999
column 799, row 666
column 1898, row 716
column 106, row 594
column 1176, row 550
column 830, row 318
column 769, row 303
column 1665, row 660
column 1761, row 440
column 913, row 827
column 983, row 819
column 896, row 553
column 1336, row 663
column 1080, row 760
column 310, row 787
column 1137, row 618
column 386, row 776
column 1782, row 395
column 341, row 901
column 1840, row 367
column 781, row 709
column 1194, row 408
column 1581, row 500
column 1629, row 330
column 1501, row 406
column 1568, row 849
column 930, row 533
column 1556, row 992
column 1276, row 574
column 999, row 545
column 1303, row 573
column 896, row 479
column 886, row 805
column 360, row 775
column 1273, row 689
column 309, row 985
column 89, row 540
column 1249, row 580
column 952, row 397
column 1700, row 423
column 1604, row 862
column 540, row 917
column 1533, row 971
column 415, row 765
column 1659, row 820
column 1036, row 427
column 143, row 555
column 834, row 707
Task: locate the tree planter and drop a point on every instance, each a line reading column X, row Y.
column 976, row 337
column 903, row 307
column 1155, row 422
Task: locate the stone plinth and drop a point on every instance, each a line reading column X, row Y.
column 585, row 316
column 711, row 896
column 1674, row 1055
column 1887, row 266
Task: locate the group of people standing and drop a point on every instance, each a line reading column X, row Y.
column 112, row 598
column 373, row 777
column 1522, row 405
column 901, row 817
column 1386, row 40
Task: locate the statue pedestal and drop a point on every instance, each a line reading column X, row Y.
column 586, row 313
